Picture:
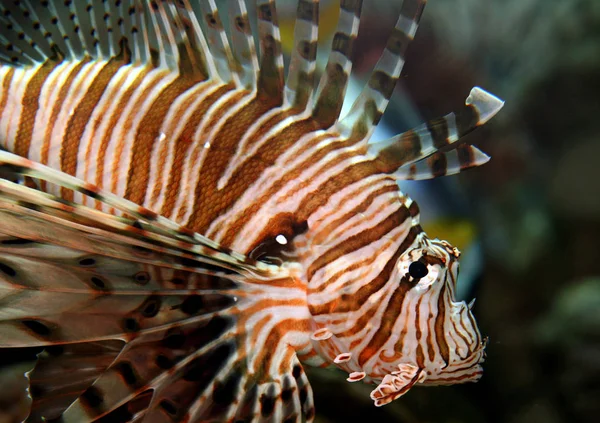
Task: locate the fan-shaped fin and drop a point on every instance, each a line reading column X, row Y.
column 370, row 105
column 52, row 385
column 300, row 79
column 332, row 87
column 437, row 134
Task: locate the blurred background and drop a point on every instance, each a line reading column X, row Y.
column 528, row 222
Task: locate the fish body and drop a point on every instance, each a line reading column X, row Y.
column 184, row 226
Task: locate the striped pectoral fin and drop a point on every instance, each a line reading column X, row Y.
column 439, row 164
column 164, row 236
column 62, row 373
column 193, row 372
column 441, row 135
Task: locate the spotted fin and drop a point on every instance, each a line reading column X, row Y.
column 151, row 313
column 438, row 137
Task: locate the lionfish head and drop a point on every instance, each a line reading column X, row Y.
column 435, row 339
column 412, row 331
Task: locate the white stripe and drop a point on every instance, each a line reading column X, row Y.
column 174, row 123
column 9, row 123
column 47, row 105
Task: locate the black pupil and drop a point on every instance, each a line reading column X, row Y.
column 418, row 270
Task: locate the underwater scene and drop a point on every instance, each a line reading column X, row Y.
column 299, row 211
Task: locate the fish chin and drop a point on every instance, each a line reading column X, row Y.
column 397, row 383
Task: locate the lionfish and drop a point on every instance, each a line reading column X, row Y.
column 182, row 228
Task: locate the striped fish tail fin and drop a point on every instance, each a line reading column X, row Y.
column 433, row 148
column 370, row 105
column 300, row 79
column 331, row 91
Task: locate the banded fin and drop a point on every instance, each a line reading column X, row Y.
column 332, row 86
column 218, row 42
column 301, row 74
column 399, row 152
column 446, row 163
column 244, row 50
column 270, row 77
column 367, row 110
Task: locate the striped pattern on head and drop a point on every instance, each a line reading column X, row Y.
column 154, row 105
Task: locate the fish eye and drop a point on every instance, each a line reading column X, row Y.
column 418, row 270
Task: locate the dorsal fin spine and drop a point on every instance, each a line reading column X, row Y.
column 244, row 49
column 299, row 85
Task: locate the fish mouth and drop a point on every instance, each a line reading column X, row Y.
column 397, row 383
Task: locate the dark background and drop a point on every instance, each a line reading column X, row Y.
column 535, row 207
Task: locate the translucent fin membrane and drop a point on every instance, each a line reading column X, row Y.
column 372, row 102
column 244, row 49
column 300, row 80
column 332, row 87
column 270, row 78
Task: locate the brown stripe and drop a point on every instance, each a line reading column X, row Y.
column 162, row 152
column 438, row 128
column 466, row 120
column 308, row 10
column 359, row 240
column 361, row 208
column 64, row 91
column 406, row 149
column 390, row 315
column 182, row 145
column 148, row 132
column 420, row 357
column 211, row 202
column 272, row 150
column 6, row 89
column 438, row 164
column 440, row 337
column 112, row 125
column 321, row 195
column 370, row 287
column 329, row 104
column 81, row 117
column 31, row 104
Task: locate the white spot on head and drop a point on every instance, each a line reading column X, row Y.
column 162, row 136
column 281, row 239
column 206, row 144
